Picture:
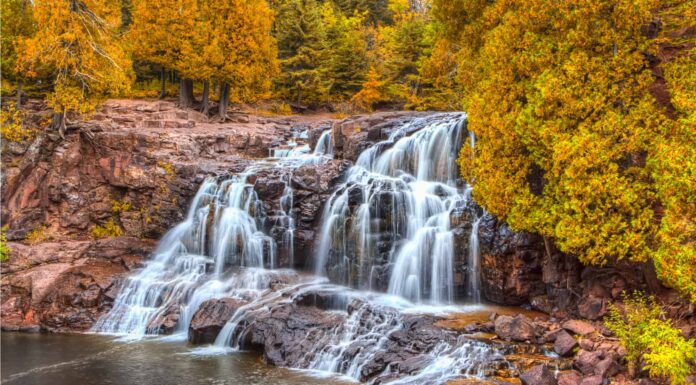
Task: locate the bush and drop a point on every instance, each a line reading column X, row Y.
column 41, row 233
column 110, row 229
column 4, row 249
column 650, row 340
column 13, row 129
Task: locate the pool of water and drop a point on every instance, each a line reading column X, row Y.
column 83, row 359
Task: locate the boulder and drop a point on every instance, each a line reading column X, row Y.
column 210, row 318
column 518, row 328
column 592, row 380
column 538, row 375
column 578, row 327
column 564, row 343
column 586, row 361
column 569, row 378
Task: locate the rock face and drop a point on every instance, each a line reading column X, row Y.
column 312, row 184
column 352, row 136
column 65, row 286
column 123, row 166
column 210, row 318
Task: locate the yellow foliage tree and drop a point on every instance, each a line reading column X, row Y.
column 571, row 142
column 75, row 42
column 17, row 23
column 370, row 93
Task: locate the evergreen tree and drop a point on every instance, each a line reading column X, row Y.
column 245, row 54
column 301, row 47
column 346, row 63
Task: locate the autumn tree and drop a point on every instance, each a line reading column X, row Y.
column 571, row 142
column 162, row 33
column 244, row 56
column 17, row 23
column 75, row 42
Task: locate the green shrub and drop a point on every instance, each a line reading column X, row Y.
column 650, row 339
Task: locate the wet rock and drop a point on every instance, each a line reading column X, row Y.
column 518, row 328
column 210, row 318
column 165, row 322
column 564, row 343
column 510, row 263
column 538, row 375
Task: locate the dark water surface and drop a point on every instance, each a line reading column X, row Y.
column 50, row 359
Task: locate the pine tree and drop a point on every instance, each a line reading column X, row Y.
column 301, row 44
column 75, row 43
column 346, row 63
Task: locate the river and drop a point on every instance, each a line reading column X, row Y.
column 88, row 359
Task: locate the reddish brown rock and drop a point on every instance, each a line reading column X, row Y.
column 564, row 343
column 538, row 375
column 586, row 361
column 578, row 327
column 65, row 286
column 569, row 378
column 210, row 317
column 518, row 328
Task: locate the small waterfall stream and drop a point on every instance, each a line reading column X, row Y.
column 393, row 212
column 388, row 227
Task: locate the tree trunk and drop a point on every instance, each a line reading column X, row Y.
column 186, row 99
column 299, row 95
column 204, row 101
column 58, row 123
column 189, row 90
column 163, row 82
column 19, row 93
column 224, row 100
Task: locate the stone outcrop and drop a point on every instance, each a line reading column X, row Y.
column 211, row 318
column 352, row 136
column 65, row 286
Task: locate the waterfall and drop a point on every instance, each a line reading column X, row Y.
column 394, row 209
column 390, row 226
column 221, row 229
column 473, row 265
column 324, row 144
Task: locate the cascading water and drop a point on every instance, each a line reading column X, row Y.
column 223, row 228
column 394, row 210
